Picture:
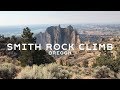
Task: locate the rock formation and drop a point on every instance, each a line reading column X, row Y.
column 56, row 34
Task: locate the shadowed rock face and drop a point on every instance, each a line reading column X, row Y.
column 56, row 34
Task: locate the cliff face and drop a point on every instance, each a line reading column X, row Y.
column 56, row 34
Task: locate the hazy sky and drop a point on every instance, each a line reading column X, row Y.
column 58, row 17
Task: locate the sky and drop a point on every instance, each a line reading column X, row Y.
column 57, row 17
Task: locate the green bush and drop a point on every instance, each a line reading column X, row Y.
column 104, row 72
column 109, row 62
column 42, row 57
column 102, row 60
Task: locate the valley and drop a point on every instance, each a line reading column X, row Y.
column 99, row 44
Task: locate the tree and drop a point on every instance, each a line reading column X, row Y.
column 13, row 39
column 42, row 57
column 26, row 57
column 30, row 57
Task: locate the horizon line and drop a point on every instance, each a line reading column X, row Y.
column 58, row 24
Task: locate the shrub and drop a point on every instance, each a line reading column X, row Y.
column 42, row 57
column 6, row 59
column 102, row 60
column 62, row 72
column 118, row 75
column 48, row 71
column 104, row 72
column 114, row 65
column 109, row 62
column 37, row 72
column 8, row 70
column 55, row 71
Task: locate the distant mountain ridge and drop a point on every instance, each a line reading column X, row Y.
column 59, row 35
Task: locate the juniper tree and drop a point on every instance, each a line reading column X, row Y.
column 30, row 57
column 26, row 57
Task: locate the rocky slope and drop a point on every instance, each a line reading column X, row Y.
column 56, row 34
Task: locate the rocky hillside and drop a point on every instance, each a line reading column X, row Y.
column 56, row 34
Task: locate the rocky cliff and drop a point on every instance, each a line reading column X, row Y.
column 56, row 34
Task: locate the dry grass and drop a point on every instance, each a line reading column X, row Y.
column 6, row 59
column 37, row 72
column 55, row 71
column 12, row 70
column 8, row 70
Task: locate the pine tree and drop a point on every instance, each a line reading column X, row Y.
column 42, row 57
column 30, row 57
column 26, row 57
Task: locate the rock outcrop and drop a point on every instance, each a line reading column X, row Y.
column 56, row 34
